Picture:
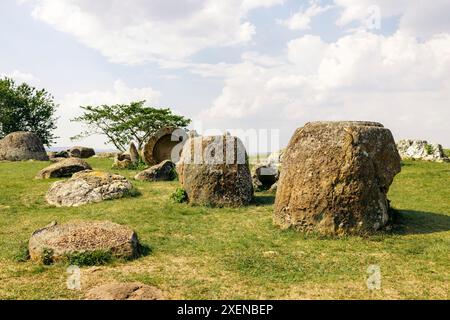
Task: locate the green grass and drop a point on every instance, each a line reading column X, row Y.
column 213, row 253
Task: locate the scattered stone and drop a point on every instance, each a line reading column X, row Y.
column 88, row 187
column 165, row 171
column 335, row 178
column 421, row 150
column 275, row 159
column 51, row 154
column 215, row 173
column 106, row 155
column 122, row 161
column 134, row 154
column 81, row 152
column 273, row 188
column 20, row 146
column 56, row 241
column 125, row 291
column 58, row 154
column 264, row 176
column 270, row 254
column 56, row 160
column 63, row 168
column 160, row 146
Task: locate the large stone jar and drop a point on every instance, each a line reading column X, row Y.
column 335, row 178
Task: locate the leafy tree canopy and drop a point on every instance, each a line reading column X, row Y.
column 24, row 108
column 122, row 123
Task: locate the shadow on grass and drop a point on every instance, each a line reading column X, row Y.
column 418, row 222
column 405, row 164
column 264, row 199
column 144, row 250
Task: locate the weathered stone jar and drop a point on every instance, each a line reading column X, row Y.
column 335, row 178
column 20, row 146
column 214, row 171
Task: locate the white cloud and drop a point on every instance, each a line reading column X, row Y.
column 20, row 77
column 420, row 18
column 302, row 19
column 134, row 32
column 120, row 93
column 398, row 80
column 306, row 53
column 69, row 108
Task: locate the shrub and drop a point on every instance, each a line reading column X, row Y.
column 179, row 196
column 429, row 149
column 139, row 166
column 47, row 256
column 173, row 174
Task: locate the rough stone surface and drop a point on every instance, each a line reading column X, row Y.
column 264, row 176
column 122, row 161
column 421, row 150
column 105, row 154
column 134, row 154
column 19, row 146
column 274, row 188
column 125, row 291
column 57, row 241
column 55, row 160
column 335, row 178
column 159, row 146
column 165, row 171
column 88, row 187
column 81, row 152
column 215, row 173
column 58, row 154
column 63, row 168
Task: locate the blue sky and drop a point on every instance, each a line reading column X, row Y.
column 250, row 64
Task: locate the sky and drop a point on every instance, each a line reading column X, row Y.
column 264, row 66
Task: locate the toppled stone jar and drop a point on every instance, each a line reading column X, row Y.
column 335, row 178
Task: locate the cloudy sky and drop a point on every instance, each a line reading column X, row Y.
column 248, row 64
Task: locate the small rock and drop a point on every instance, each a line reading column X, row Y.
column 274, row 188
column 55, row 160
column 63, row 168
column 105, row 154
column 421, row 150
column 58, row 154
column 122, row 161
column 125, row 291
column 81, row 152
column 264, row 176
column 270, row 254
column 165, row 171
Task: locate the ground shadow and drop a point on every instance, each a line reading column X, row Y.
column 264, row 199
column 405, row 164
column 143, row 250
column 410, row 222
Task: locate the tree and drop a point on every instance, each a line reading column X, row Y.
column 24, row 108
column 122, row 123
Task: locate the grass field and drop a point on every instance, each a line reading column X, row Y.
column 204, row 253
